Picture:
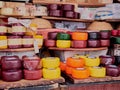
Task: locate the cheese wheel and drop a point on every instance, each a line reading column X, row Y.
column 62, row 66
column 80, row 73
column 63, row 36
column 92, row 61
column 50, row 62
column 75, row 62
column 97, row 71
column 7, row 11
column 3, row 42
column 68, row 70
column 63, row 43
column 51, row 73
column 79, row 35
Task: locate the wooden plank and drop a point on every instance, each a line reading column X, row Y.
column 112, row 20
column 79, row 4
column 66, row 19
column 77, row 49
column 69, row 78
column 27, row 17
column 17, row 50
column 25, row 83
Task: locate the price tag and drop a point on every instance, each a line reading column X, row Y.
column 36, row 48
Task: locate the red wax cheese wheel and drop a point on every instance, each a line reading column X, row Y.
column 50, row 43
column 11, row 76
column 32, row 75
column 69, row 14
column 52, row 35
column 11, row 62
column 79, row 44
column 105, row 34
column 114, row 32
column 56, row 13
column 53, row 7
column 68, row 7
column 93, row 43
column 105, row 43
column 32, row 62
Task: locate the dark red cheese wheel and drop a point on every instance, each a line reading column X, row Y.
column 93, row 43
column 105, row 43
column 107, row 60
column 50, row 43
column 11, row 63
column 118, row 32
column 68, row 7
column 114, row 32
column 32, row 75
column 52, row 35
column 11, row 76
column 112, row 70
column 79, row 44
column 76, row 15
column 69, row 14
column 105, row 34
column 54, row 7
column 93, row 35
column 56, row 13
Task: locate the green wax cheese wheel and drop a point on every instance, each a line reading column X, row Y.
column 63, row 36
column 116, row 40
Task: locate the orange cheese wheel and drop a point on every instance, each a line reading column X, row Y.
column 62, row 66
column 79, row 35
column 68, row 70
column 80, row 73
column 75, row 62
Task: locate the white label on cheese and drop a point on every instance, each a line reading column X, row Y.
column 40, row 42
column 3, row 29
column 18, row 29
column 3, row 43
column 14, row 41
column 36, row 48
column 27, row 41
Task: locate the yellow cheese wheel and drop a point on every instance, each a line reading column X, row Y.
column 90, row 62
column 51, row 73
column 97, row 72
column 51, row 62
column 3, row 42
column 63, row 43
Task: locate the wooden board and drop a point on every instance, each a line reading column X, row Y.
column 77, row 49
column 25, row 83
column 112, row 20
column 79, row 4
column 66, row 19
column 90, row 79
column 17, row 50
column 27, row 17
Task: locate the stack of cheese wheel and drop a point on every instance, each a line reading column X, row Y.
column 11, row 68
column 51, row 68
column 92, row 63
column 105, row 38
column 79, row 39
column 76, row 67
column 63, row 40
column 51, row 41
column 94, row 39
column 32, row 67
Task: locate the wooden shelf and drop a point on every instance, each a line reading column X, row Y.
column 112, row 20
column 24, row 83
column 76, row 49
column 17, row 50
column 69, row 78
column 66, row 19
column 79, row 4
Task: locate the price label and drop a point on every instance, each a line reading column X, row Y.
column 36, row 48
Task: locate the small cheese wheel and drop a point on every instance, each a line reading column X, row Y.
column 3, row 42
column 62, row 66
column 63, row 43
column 51, row 62
column 68, row 70
column 97, row 71
column 80, row 73
column 63, row 36
column 51, row 73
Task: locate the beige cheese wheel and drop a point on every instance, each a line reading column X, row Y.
column 41, row 23
column 97, row 26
